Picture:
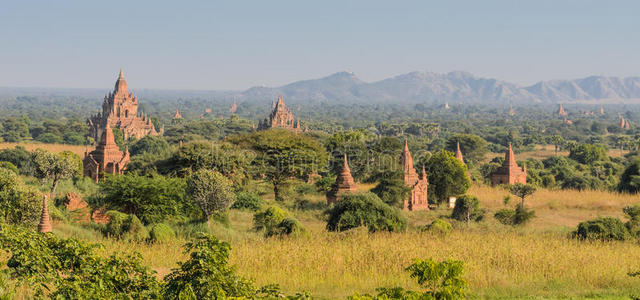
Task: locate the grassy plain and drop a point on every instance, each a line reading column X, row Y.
column 77, row 149
column 536, row 261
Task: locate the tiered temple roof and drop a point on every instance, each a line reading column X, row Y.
column 106, row 158
column 344, row 184
column 509, row 172
column 418, row 200
column 280, row 117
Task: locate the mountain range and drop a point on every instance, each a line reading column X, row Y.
column 454, row 86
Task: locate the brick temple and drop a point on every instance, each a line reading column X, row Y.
column 106, row 158
column 120, row 110
column 280, row 117
column 344, row 184
column 509, row 172
column 418, row 199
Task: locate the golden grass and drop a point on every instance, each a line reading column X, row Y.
column 77, row 149
column 537, row 260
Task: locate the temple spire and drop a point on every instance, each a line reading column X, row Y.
column 45, row 224
column 509, row 159
column 121, row 76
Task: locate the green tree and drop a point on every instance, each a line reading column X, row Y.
column 443, row 280
column 630, row 178
column 556, row 140
column 211, row 191
column 447, row 176
column 355, row 210
column 472, row 146
column 55, row 167
column 154, row 145
column 18, row 204
column 587, row 154
column 283, row 154
column 522, row 191
column 391, row 189
column 468, row 209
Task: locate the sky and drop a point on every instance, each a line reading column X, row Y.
column 222, row 45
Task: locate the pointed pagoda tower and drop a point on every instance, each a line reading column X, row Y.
column 106, row 158
column 45, row 223
column 509, row 172
column 418, row 199
column 459, row 153
column 561, row 111
column 511, row 111
column 281, row 117
column 344, row 184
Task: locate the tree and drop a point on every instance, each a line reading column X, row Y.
column 391, row 189
column 443, row 280
column 211, row 191
column 522, row 191
column 447, row 176
column 18, row 203
column 155, row 145
column 468, row 209
column 282, row 154
column 55, row 167
column 151, row 199
column 630, row 178
column 556, row 140
column 472, row 146
column 355, row 210
column 587, row 154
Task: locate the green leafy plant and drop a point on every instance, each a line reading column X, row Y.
column 468, row 209
column 247, row 201
column 367, row 210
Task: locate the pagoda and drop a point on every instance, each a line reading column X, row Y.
column 562, row 112
column 280, row 117
column 509, row 172
column 106, row 158
column 418, row 199
column 45, row 223
column 459, row 153
column 120, row 110
column 344, row 184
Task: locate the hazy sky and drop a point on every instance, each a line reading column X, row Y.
column 239, row 44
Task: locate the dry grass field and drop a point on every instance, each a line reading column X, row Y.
column 538, row 260
column 79, row 150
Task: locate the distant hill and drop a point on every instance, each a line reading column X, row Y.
column 453, row 86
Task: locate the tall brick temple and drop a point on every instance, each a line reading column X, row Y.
column 120, row 110
column 509, row 172
column 106, row 158
column 418, row 200
column 280, row 117
column 344, row 184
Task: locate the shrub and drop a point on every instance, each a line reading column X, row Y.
column 439, row 226
column 274, row 221
column 633, row 225
column 355, row 210
column 468, row 209
column 247, row 201
column 520, row 216
column 9, row 166
column 324, row 184
column 603, row 228
column 161, row 233
column 125, row 226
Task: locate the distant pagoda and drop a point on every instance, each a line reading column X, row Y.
column 459, row 153
column 234, row 107
column 511, row 111
column 106, row 158
column 45, row 223
column 344, row 184
column 120, row 110
column 280, row 117
column 418, row 199
column 509, row 172
column 561, row 111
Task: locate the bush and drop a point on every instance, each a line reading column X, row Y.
column 355, row 210
column 438, row 226
column 161, row 233
column 274, row 221
column 247, row 201
column 603, row 228
column 124, row 226
column 9, row 166
column 520, row 216
column 468, row 209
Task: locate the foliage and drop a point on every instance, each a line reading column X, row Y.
column 211, row 191
column 472, row 146
column 154, row 145
column 19, row 204
column 587, row 154
column 630, row 178
column 69, row 269
column 438, row 226
column 468, row 209
column 355, row 210
column 161, row 233
column 447, row 176
column 443, row 280
column 602, row 228
column 206, row 274
column 9, row 166
column 283, row 154
column 125, row 226
column 518, row 216
column 19, row 157
column 247, row 201
column 522, row 191
column 275, row 221
column 151, row 199
column 391, row 189
column 55, row 167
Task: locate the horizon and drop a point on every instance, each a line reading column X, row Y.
column 236, row 46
